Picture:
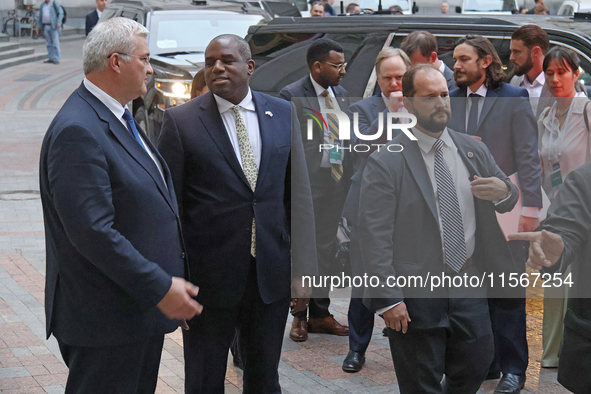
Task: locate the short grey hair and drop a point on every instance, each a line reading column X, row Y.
column 243, row 47
column 389, row 52
column 108, row 37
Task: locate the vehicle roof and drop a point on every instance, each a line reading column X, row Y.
column 183, row 5
column 369, row 23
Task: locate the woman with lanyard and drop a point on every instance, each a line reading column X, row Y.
column 563, row 135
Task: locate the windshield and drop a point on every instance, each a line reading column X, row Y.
column 489, row 5
column 172, row 32
column 373, row 4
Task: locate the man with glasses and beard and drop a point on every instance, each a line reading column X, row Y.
column 417, row 214
column 501, row 116
column 329, row 171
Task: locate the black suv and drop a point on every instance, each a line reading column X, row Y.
column 179, row 33
column 279, row 46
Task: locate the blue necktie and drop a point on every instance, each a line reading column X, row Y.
column 473, row 116
column 132, row 127
column 454, row 243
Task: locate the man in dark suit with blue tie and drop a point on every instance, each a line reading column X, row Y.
column 500, row 114
column 391, row 64
column 429, row 211
column 115, row 254
column 233, row 162
column 329, row 176
column 93, row 17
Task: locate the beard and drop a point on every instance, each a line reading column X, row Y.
column 433, row 125
column 470, row 77
column 524, row 68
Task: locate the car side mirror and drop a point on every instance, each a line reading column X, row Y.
column 415, row 7
column 458, row 9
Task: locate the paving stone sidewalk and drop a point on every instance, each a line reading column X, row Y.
column 29, row 98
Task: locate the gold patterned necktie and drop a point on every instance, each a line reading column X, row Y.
column 249, row 164
column 333, row 127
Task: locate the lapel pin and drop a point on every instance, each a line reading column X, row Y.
column 470, row 154
column 269, row 113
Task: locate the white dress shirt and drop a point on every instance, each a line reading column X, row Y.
column 118, row 110
column 534, row 89
column 482, row 92
column 461, row 178
column 99, row 12
column 325, row 162
column 251, row 121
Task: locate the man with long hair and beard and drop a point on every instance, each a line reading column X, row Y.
column 501, row 116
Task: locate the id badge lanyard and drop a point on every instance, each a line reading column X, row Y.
column 556, row 175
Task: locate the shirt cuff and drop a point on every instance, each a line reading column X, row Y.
column 506, row 198
column 530, row 212
column 381, row 311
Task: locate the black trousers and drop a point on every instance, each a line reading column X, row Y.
column 574, row 362
column 509, row 325
column 462, row 350
column 124, row 369
column 328, row 199
column 260, row 328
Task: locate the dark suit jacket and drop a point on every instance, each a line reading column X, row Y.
column 218, row 205
column 570, row 216
column 508, row 128
column 112, row 230
column 399, row 228
column 368, row 111
column 304, row 94
column 449, row 77
column 91, row 21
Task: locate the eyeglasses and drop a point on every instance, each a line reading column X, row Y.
column 339, row 67
column 143, row 59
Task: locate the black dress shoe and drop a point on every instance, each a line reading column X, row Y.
column 48, row 61
column 510, row 384
column 353, row 362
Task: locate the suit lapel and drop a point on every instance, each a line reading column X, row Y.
column 129, row 143
column 458, row 104
column 489, row 101
column 267, row 135
column 468, row 157
column 212, row 120
column 416, row 164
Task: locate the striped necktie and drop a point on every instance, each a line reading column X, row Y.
column 249, row 165
column 333, row 128
column 454, row 243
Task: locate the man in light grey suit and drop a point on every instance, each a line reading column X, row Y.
column 405, row 216
column 421, row 48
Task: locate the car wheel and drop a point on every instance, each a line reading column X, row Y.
column 143, row 120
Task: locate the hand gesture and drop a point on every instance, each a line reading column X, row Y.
column 545, row 248
column 178, row 303
column 397, row 318
column 490, row 189
column 395, row 101
column 528, row 224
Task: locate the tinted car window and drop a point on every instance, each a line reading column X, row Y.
column 173, row 31
column 284, row 54
column 133, row 15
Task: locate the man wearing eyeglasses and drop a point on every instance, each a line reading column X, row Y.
column 329, row 171
column 115, row 257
